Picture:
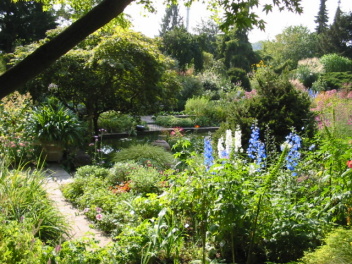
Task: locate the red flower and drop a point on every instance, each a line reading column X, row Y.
column 349, row 164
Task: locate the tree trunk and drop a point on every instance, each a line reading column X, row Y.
column 48, row 53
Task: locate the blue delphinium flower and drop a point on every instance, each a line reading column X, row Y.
column 208, row 153
column 312, row 93
column 293, row 155
column 256, row 149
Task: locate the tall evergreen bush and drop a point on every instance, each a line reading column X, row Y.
column 276, row 105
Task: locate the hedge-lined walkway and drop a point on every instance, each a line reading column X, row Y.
column 80, row 226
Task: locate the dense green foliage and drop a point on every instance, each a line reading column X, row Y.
column 336, row 63
column 23, row 22
column 337, row 37
column 276, row 106
column 172, row 121
column 24, row 206
column 336, row 249
column 334, row 80
column 146, row 154
column 239, row 76
column 129, row 75
column 54, row 123
column 114, row 122
column 236, row 51
column 293, row 44
column 184, row 47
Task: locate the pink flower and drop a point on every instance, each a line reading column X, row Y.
column 99, row 217
column 349, row 164
column 57, row 249
column 98, row 209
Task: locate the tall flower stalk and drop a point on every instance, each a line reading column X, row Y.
column 293, row 143
column 256, row 149
column 208, row 153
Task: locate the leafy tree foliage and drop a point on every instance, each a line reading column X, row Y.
column 236, row 13
column 123, row 72
column 184, row 47
column 293, row 44
column 208, row 32
column 22, row 23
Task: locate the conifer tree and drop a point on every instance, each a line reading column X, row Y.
column 171, row 20
column 322, row 18
column 338, row 37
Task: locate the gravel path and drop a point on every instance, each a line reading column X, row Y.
column 80, row 225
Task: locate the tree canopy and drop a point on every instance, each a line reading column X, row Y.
column 239, row 13
column 293, row 44
column 124, row 71
column 22, row 23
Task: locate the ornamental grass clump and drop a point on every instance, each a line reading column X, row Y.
column 23, row 199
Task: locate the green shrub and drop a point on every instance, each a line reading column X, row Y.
column 115, row 122
column 306, row 76
column 172, row 121
column 145, row 154
column 191, row 86
column 144, row 179
column 206, row 112
column 16, row 146
column 23, row 197
column 92, row 170
column 336, row 250
column 52, row 122
column 18, row 244
column 120, row 171
column 84, row 250
column 197, row 106
column 277, row 106
column 335, row 80
column 149, row 206
column 238, row 75
column 336, row 63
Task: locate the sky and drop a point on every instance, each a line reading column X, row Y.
column 149, row 24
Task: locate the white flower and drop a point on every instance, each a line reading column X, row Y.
column 238, row 135
column 229, row 141
column 285, row 145
column 221, row 148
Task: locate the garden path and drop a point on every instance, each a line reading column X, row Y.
column 79, row 224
